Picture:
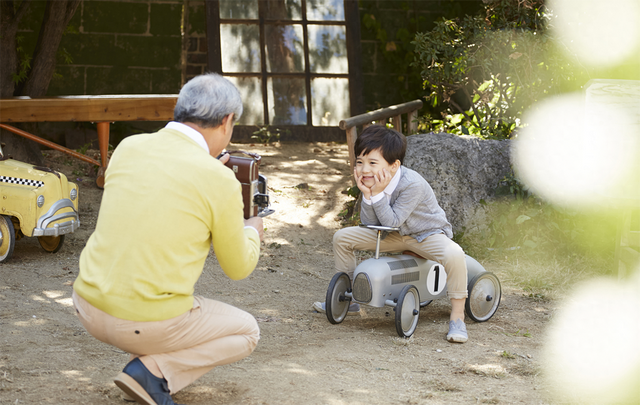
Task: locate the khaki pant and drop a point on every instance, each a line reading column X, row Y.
column 436, row 247
column 185, row 347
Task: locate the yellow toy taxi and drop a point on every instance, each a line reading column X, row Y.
column 35, row 201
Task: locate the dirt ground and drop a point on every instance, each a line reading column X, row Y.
column 47, row 357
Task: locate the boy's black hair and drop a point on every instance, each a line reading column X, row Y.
column 392, row 144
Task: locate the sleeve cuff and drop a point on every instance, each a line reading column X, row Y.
column 368, row 202
column 254, row 229
column 376, row 198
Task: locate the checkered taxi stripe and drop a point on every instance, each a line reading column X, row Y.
column 23, row 182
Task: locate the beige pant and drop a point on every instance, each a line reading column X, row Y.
column 185, row 347
column 436, row 247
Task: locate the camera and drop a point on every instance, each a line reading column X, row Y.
column 254, row 185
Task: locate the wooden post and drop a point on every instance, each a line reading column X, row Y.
column 397, row 123
column 412, row 123
column 103, row 144
column 352, row 134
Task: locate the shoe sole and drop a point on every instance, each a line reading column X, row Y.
column 127, row 398
column 131, row 387
column 457, row 339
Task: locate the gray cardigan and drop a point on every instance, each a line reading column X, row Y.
column 412, row 208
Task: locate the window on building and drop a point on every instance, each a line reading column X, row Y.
column 289, row 58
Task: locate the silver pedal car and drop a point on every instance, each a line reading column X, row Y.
column 407, row 283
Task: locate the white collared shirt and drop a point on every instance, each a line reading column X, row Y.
column 391, row 187
column 190, row 132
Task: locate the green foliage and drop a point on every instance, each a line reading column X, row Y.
column 84, row 148
column 353, row 191
column 524, row 225
column 349, row 216
column 507, row 355
column 398, row 52
column 484, row 71
column 24, row 61
column 266, row 134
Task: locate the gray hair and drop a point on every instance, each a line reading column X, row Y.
column 206, row 99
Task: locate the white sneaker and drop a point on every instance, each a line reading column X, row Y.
column 457, row 332
column 322, row 307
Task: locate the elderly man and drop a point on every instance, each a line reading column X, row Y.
column 166, row 201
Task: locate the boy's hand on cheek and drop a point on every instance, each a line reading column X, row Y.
column 366, row 191
column 382, row 178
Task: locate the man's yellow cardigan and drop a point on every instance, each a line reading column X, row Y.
column 165, row 201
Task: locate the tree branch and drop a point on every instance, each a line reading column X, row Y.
column 56, row 17
column 24, row 6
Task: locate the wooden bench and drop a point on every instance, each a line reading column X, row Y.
column 380, row 117
column 99, row 109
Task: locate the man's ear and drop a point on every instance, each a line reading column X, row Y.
column 227, row 122
column 396, row 165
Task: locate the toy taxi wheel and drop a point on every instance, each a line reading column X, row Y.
column 51, row 243
column 336, row 303
column 407, row 311
column 7, row 238
column 484, row 296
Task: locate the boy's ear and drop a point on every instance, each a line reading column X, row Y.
column 396, row 165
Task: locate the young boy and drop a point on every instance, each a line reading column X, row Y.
column 395, row 196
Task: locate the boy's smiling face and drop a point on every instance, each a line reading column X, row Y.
column 373, row 163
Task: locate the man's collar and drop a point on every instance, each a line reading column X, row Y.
column 190, row 132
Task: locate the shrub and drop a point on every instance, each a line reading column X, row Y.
column 483, row 71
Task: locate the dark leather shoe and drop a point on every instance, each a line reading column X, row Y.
column 138, row 382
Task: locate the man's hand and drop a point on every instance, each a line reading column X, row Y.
column 255, row 222
column 224, row 158
column 366, row 191
column 382, row 180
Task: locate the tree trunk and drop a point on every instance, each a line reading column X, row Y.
column 57, row 15
column 9, row 21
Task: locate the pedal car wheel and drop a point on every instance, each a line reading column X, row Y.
column 51, row 243
column 407, row 311
column 7, row 238
column 336, row 304
column 484, row 296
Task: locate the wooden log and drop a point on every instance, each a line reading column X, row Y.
column 381, row 113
